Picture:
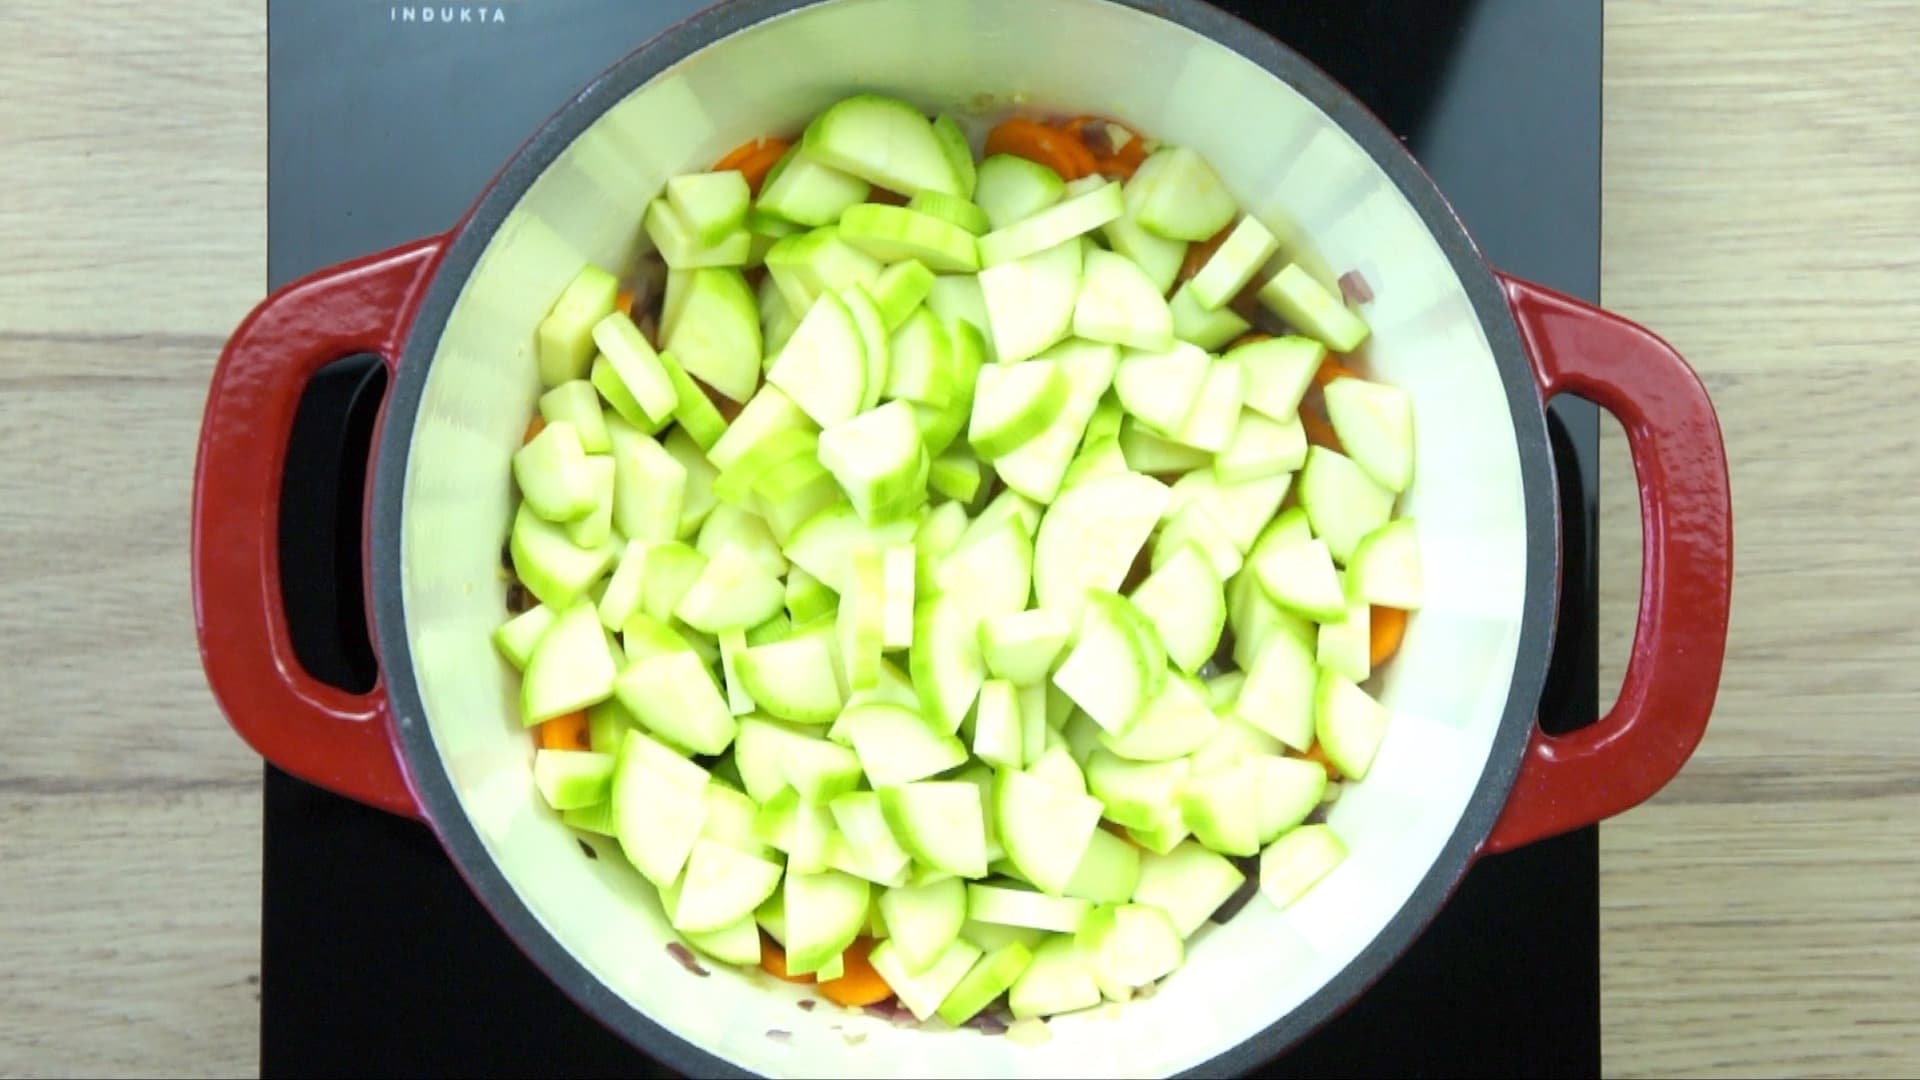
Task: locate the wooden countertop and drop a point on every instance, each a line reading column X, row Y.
column 1762, row 916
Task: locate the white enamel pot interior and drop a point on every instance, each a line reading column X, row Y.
column 1299, row 154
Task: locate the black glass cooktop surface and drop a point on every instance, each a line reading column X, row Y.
column 386, row 118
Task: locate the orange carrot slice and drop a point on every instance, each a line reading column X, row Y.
column 773, row 961
column 1317, row 754
column 568, row 731
column 1331, row 369
column 860, row 984
column 1035, row 141
column 534, row 427
column 753, row 158
column 1386, row 627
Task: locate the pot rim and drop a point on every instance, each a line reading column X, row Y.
column 468, row 240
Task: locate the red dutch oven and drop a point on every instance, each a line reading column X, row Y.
column 1465, row 771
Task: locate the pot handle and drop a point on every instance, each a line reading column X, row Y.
column 327, row 736
column 1568, row 781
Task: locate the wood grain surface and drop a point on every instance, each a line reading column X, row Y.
column 1762, row 191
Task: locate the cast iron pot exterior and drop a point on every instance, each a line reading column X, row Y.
column 378, row 748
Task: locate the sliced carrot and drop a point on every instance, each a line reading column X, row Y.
column 1331, row 369
column 623, row 301
column 1319, row 432
column 860, row 984
column 568, row 731
column 1198, row 254
column 534, row 427
column 1114, row 163
column 1386, row 626
column 1035, row 141
column 773, row 961
column 753, row 158
column 1316, row 753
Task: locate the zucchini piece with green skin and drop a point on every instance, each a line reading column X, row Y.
column 1175, row 722
column 1346, row 646
column 922, row 993
column 1038, row 469
column 733, row 642
column 694, row 413
column 1234, row 263
column 819, row 771
column 860, row 621
column 1114, row 669
column 879, row 461
column 793, row 679
column 958, row 298
column 1189, row 883
column 956, row 475
column 1278, row 696
column 713, row 204
column 802, row 190
column 578, row 403
column 734, row 590
column 551, row 566
column 1064, row 221
column 1385, row 568
column 992, row 572
column 1342, row 502
column 1021, row 646
column 991, row 975
column 681, row 248
column 716, row 338
column 1297, row 861
column 597, row 527
column 1222, row 809
column 649, row 485
column 878, row 855
column 1145, row 451
column 563, row 342
column 898, row 572
column 959, row 151
column 674, row 695
column 824, row 545
column 697, row 502
column 659, row 806
column 823, row 366
column 921, row 365
column 900, row 289
column 1194, row 525
column 1159, row 387
column 1349, row 724
column 1059, row 979
column 790, row 495
column 802, row 829
column 1130, row 946
column 734, row 484
column 945, row 660
column 807, row 596
column 1313, row 309
column 922, row 920
column 573, row 779
column 552, row 473
column 1301, row 578
column 517, row 637
column 1180, row 196
column 953, row 210
column 1158, row 257
column 809, row 264
column 1374, row 422
column 824, row 912
column 1260, row 448
column 1056, row 767
column 1209, row 425
column 1013, row 404
column 1011, row 189
column 939, row 427
column 1235, row 740
column 1242, row 509
column 1044, row 828
column 721, row 886
column 1199, row 326
column 618, row 398
column 1008, row 906
column 1136, row 793
column 769, row 410
column 1096, row 459
column 884, row 141
column 1091, row 536
column 1289, row 790
column 873, row 337
column 1030, row 299
column 1120, row 304
column 671, row 569
column 1277, row 373
column 1183, row 598
column 893, row 233
column 941, row 822
column 1108, row 872
column 896, row 745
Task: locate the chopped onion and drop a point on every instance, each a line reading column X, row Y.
column 1354, row 288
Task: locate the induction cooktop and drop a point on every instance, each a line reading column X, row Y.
column 385, row 120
